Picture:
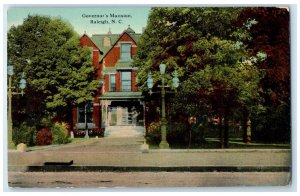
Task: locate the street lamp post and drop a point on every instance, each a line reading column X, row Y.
column 86, row 123
column 175, row 84
column 10, row 93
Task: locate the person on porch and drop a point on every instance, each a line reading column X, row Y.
column 134, row 116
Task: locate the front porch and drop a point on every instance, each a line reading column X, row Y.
column 123, row 114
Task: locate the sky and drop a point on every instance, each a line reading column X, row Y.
column 77, row 16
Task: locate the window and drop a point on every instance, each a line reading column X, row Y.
column 85, row 113
column 112, row 83
column 126, row 81
column 106, row 41
column 125, row 52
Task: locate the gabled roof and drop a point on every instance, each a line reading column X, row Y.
column 98, row 40
column 94, row 45
column 129, row 30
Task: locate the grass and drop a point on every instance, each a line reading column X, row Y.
column 212, row 141
column 234, row 143
column 77, row 140
column 73, row 141
column 238, row 143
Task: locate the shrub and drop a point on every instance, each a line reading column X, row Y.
column 153, row 135
column 45, row 122
column 198, row 133
column 24, row 134
column 59, row 133
column 178, row 133
column 44, row 136
column 273, row 125
column 96, row 132
column 78, row 133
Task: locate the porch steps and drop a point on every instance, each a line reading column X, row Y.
column 125, row 131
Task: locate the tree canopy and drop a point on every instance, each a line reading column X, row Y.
column 206, row 49
column 58, row 71
column 272, row 35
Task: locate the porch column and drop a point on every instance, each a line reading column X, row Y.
column 144, row 113
column 107, row 103
column 104, row 105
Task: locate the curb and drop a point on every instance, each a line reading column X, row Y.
column 217, row 150
column 175, row 150
column 64, row 168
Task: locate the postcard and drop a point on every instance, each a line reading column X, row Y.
column 148, row 97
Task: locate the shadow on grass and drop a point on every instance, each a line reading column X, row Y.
column 234, row 143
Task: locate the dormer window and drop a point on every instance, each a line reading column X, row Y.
column 125, row 52
column 106, row 41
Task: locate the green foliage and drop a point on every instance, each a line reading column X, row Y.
column 24, row 134
column 209, row 54
column 44, row 137
column 153, row 133
column 178, row 133
column 59, row 133
column 272, row 125
column 46, row 122
column 210, row 49
column 58, row 71
column 272, row 35
column 179, row 37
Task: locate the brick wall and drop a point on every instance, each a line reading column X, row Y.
column 112, row 57
column 106, row 83
column 96, row 112
column 86, row 41
column 118, row 81
column 114, row 54
column 133, row 51
column 134, row 86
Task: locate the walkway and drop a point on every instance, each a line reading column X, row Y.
column 125, row 131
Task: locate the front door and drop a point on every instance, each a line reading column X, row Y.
column 122, row 116
column 118, row 116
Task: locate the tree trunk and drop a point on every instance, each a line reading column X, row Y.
column 70, row 116
column 226, row 130
column 221, row 130
column 244, row 124
column 190, row 139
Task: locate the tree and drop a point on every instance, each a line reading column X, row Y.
column 272, row 35
column 208, row 52
column 58, row 71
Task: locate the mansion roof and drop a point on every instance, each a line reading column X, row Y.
column 98, row 39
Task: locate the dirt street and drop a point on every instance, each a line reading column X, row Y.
column 145, row 179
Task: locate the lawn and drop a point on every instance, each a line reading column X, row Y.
column 234, row 143
column 73, row 141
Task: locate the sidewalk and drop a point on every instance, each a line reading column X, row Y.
column 114, row 154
